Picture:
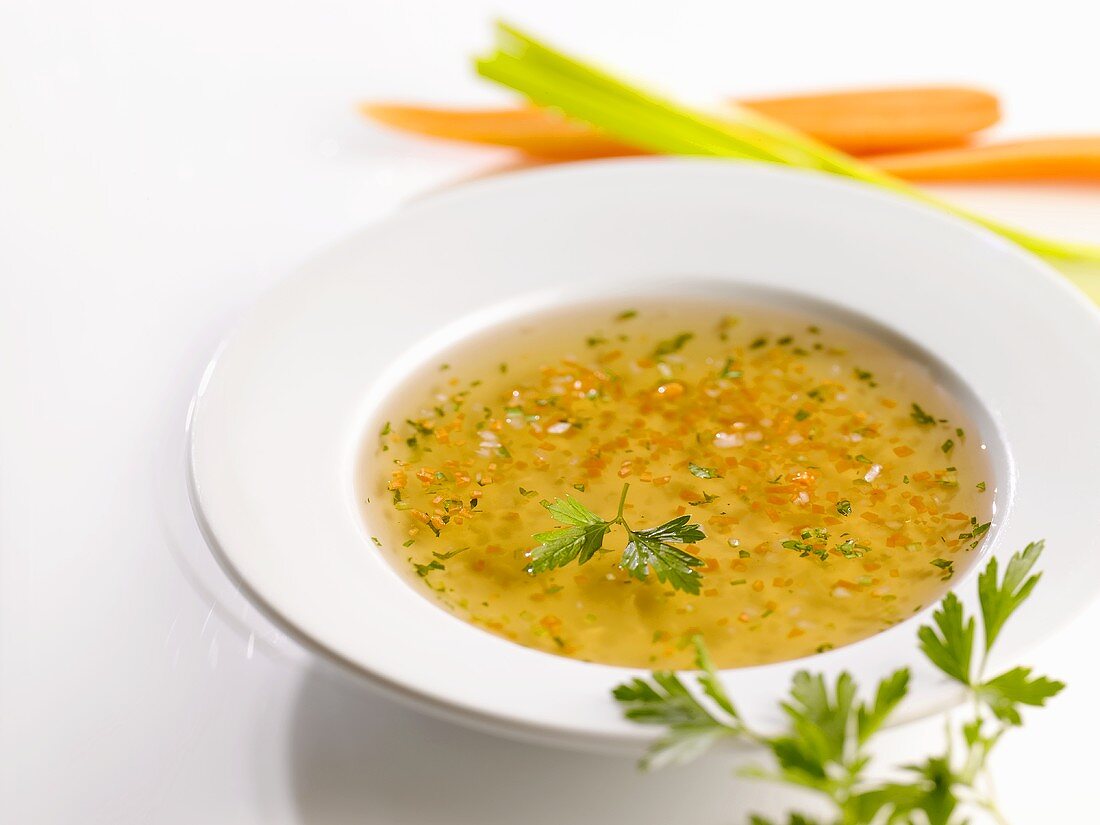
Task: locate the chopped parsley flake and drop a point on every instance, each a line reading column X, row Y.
column 707, row 499
column 728, row 372
column 671, row 345
column 864, row 375
column 947, row 566
column 920, row 416
column 850, row 549
column 702, row 472
column 423, row 570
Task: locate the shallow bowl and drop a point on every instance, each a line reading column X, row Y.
column 278, row 421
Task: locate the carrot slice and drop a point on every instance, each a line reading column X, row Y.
column 1068, row 158
column 886, row 120
column 860, row 122
column 530, row 129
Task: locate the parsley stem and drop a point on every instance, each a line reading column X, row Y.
column 991, row 808
column 950, row 740
column 981, row 665
column 622, row 504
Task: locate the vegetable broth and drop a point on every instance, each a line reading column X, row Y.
column 838, row 486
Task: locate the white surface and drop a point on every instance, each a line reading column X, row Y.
column 278, row 425
column 162, row 165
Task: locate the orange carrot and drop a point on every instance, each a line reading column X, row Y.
column 1068, row 158
column 862, row 121
column 886, row 120
column 535, row 131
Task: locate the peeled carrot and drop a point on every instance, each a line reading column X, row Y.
column 530, row 129
column 1037, row 159
column 860, row 122
column 886, row 120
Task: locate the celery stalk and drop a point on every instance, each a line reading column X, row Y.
column 555, row 80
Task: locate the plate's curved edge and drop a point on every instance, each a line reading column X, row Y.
column 508, row 178
column 390, row 689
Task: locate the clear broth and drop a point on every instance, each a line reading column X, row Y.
column 838, row 508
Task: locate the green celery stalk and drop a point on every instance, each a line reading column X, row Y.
column 555, row 80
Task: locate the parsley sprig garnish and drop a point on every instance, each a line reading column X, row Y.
column 646, row 551
column 692, row 728
column 824, row 745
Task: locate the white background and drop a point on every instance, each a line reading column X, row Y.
column 163, row 164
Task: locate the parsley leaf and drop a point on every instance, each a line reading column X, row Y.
column 580, row 541
column 999, row 601
column 950, row 650
column 708, row 679
column 936, row 797
column 891, row 691
column 665, row 700
column 649, row 551
column 558, row 548
column 1015, row 687
column 570, row 511
column 692, row 729
column 820, row 720
column 679, row 530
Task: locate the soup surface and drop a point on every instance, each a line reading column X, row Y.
column 830, row 487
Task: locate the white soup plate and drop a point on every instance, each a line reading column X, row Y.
column 279, row 420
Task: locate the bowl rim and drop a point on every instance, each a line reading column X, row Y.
column 582, row 175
